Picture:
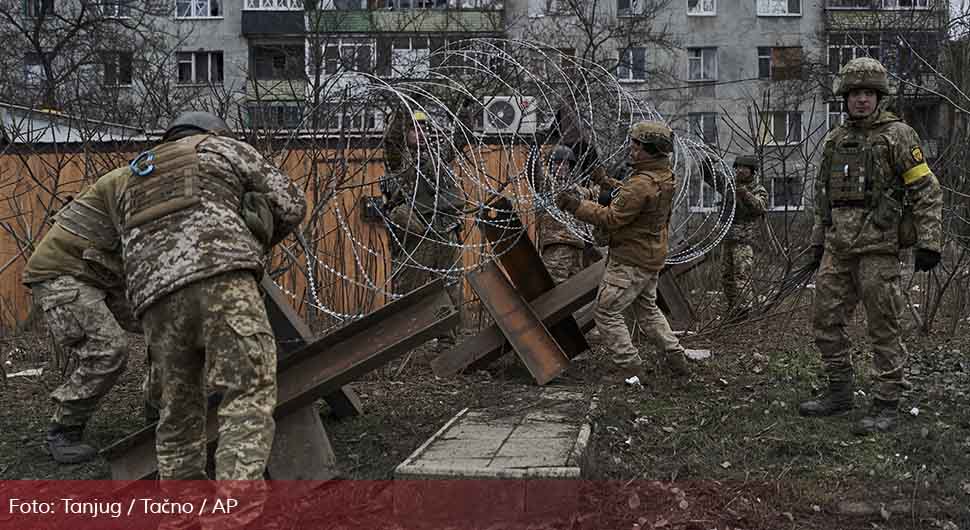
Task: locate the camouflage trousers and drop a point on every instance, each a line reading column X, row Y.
column 841, row 282
column 562, row 261
column 737, row 261
column 412, row 257
column 84, row 328
column 622, row 286
column 214, row 332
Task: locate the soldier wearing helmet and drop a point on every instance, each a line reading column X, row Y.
column 875, row 196
column 77, row 280
column 198, row 215
column 737, row 252
column 637, row 222
column 424, row 205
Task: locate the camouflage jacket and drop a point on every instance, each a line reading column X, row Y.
column 892, row 171
column 83, row 243
column 750, row 207
column 638, row 219
column 182, row 222
column 420, row 182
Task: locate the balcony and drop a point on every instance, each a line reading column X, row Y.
column 409, row 21
column 261, row 22
column 843, row 15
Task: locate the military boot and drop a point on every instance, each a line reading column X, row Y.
column 881, row 417
column 65, row 446
column 677, row 364
column 837, row 400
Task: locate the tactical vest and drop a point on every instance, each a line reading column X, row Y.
column 89, row 223
column 658, row 216
column 174, row 183
column 850, row 172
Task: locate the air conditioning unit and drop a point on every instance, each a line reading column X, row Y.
column 509, row 115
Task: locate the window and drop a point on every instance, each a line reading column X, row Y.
column 275, row 114
column 199, row 68
column 700, row 196
column 836, row 114
column 781, row 127
column 117, row 68
column 704, row 126
column 198, row 8
column 628, row 8
column 904, row 4
column 843, row 47
column 785, row 191
column 410, row 57
column 850, row 4
column 349, row 117
column 701, row 7
column 771, row 8
column 632, row 65
column 277, row 62
column 355, row 55
column 779, row 64
column 115, row 8
column 275, row 5
column 701, row 64
column 39, row 8
column 34, row 67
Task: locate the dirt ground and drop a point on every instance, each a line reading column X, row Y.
column 725, row 450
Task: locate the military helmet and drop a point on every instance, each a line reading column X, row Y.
column 750, row 161
column 192, row 122
column 653, row 133
column 562, row 152
column 862, row 72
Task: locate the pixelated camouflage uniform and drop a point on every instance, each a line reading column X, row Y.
column 192, row 264
column 77, row 279
column 737, row 259
column 869, row 167
column 562, row 251
column 637, row 221
column 424, row 203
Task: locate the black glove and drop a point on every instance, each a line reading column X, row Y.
column 925, row 259
column 605, row 198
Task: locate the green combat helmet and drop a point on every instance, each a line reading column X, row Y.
column 750, row 161
column 653, row 133
column 863, row 72
column 561, row 153
column 194, row 122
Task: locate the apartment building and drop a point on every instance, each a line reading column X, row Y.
column 743, row 75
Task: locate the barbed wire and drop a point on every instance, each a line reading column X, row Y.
column 514, row 99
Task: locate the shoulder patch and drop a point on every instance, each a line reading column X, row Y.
column 917, row 153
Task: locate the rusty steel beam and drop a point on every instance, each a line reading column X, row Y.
column 504, row 230
column 320, row 368
column 292, row 334
column 552, row 307
column 519, row 323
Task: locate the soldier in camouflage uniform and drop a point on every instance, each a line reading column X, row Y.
column 198, row 214
column 737, row 260
column 637, row 221
column 424, row 206
column 76, row 278
column 875, row 195
column 562, row 251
